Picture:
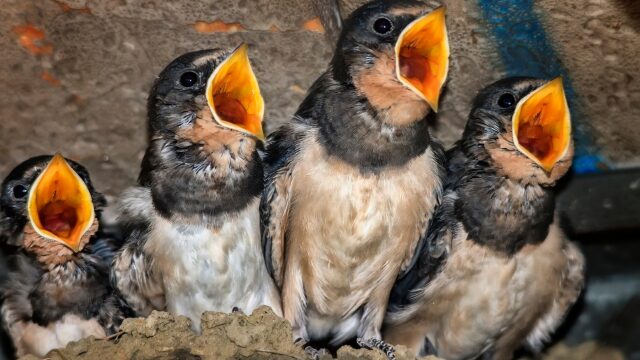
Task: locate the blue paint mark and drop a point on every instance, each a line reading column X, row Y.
column 587, row 164
column 525, row 50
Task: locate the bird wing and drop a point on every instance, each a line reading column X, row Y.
column 440, row 160
column 568, row 291
column 133, row 272
column 433, row 249
column 276, row 199
column 10, row 231
column 114, row 308
column 16, row 306
column 113, row 312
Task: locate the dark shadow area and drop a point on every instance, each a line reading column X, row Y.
column 609, row 308
column 632, row 10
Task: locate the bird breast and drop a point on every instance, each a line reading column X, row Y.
column 212, row 269
column 353, row 230
column 483, row 297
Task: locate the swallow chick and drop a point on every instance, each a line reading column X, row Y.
column 352, row 180
column 57, row 289
column 496, row 270
column 192, row 224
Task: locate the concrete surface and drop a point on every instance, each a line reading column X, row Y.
column 74, row 74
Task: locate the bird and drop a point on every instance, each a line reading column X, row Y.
column 495, row 270
column 191, row 225
column 351, row 181
column 57, row 286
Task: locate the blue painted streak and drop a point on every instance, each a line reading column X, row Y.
column 525, row 50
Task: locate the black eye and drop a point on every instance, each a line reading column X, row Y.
column 188, row 79
column 506, row 101
column 19, row 191
column 382, row 26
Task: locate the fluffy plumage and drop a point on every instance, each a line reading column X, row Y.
column 351, row 183
column 495, row 267
column 53, row 295
column 192, row 226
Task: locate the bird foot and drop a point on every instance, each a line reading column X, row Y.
column 373, row 343
column 314, row 353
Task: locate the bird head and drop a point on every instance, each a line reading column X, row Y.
column 54, row 197
column 205, row 116
column 395, row 52
column 524, row 125
column 219, row 85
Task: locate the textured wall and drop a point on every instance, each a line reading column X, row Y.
column 599, row 42
column 74, row 74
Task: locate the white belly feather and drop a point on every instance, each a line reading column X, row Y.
column 213, row 269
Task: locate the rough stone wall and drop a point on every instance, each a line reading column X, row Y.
column 74, row 74
column 599, row 42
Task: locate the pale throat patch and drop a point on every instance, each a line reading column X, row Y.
column 398, row 105
column 51, row 252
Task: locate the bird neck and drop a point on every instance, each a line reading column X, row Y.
column 501, row 213
column 50, row 253
column 198, row 184
column 358, row 133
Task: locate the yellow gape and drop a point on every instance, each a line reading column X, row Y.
column 542, row 125
column 234, row 96
column 422, row 56
column 59, row 204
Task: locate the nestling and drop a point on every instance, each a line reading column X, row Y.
column 352, row 180
column 57, row 289
column 495, row 271
column 192, row 223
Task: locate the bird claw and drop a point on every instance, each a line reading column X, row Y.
column 314, row 353
column 373, row 343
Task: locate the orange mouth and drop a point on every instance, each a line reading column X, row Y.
column 542, row 125
column 422, row 56
column 60, row 206
column 234, row 96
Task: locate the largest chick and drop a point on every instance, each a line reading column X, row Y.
column 192, row 224
column 57, row 287
column 496, row 270
column 352, row 180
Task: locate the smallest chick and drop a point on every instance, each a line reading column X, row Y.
column 57, row 289
column 495, row 270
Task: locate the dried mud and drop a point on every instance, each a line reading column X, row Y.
column 261, row 335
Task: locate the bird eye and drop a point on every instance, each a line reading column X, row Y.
column 19, row 191
column 506, row 101
column 382, row 26
column 188, row 79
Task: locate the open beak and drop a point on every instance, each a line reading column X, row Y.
column 234, row 96
column 422, row 56
column 60, row 206
column 542, row 125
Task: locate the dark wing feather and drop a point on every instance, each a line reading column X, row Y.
column 24, row 273
column 133, row 273
column 282, row 147
column 440, row 161
column 433, row 250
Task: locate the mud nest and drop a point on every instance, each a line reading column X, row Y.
column 261, row 335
